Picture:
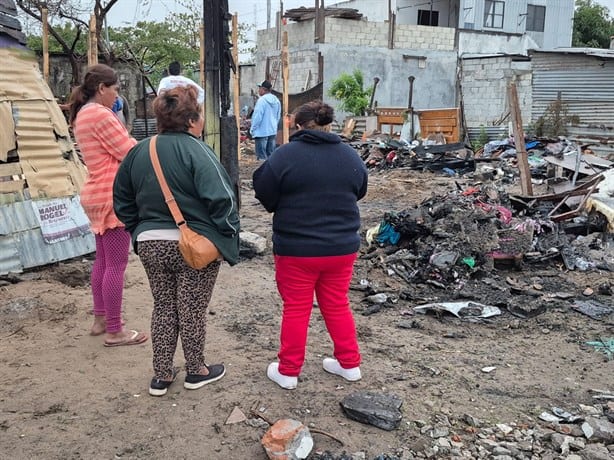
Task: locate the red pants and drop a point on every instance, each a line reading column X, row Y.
column 297, row 279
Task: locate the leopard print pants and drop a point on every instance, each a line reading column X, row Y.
column 181, row 298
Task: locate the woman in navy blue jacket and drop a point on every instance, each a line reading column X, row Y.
column 312, row 185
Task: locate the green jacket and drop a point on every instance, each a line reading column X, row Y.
column 199, row 183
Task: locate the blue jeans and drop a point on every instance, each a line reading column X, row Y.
column 264, row 146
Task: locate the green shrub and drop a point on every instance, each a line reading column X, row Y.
column 481, row 140
column 348, row 88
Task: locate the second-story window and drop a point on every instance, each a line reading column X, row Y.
column 428, row 18
column 536, row 17
column 493, row 14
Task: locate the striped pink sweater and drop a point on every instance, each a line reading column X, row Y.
column 104, row 142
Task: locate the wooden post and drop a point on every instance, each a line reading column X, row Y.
column 521, row 151
column 44, row 12
column 285, row 68
column 202, row 75
column 236, row 88
column 92, row 56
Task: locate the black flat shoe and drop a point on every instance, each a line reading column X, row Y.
column 195, row 381
column 159, row 387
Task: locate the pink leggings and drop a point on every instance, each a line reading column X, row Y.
column 297, row 279
column 112, row 250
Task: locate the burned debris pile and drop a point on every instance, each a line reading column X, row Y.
column 453, row 246
column 448, row 237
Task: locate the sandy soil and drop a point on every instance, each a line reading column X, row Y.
column 65, row 396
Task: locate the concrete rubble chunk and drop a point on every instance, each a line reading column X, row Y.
column 380, row 410
column 252, row 244
column 287, row 439
column 596, row 452
column 561, row 442
column 600, row 430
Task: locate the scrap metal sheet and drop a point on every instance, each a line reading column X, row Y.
column 24, row 80
column 39, row 153
column 22, row 244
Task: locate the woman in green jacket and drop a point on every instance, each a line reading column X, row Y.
column 205, row 196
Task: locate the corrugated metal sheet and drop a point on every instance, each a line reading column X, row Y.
column 494, row 133
column 22, row 245
column 40, row 155
column 585, row 83
column 20, row 78
column 47, row 167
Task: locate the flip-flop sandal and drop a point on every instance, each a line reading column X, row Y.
column 135, row 339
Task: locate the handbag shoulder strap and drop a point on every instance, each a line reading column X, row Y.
column 168, row 195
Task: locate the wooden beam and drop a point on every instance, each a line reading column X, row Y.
column 521, row 151
column 44, row 19
column 92, row 55
column 236, row 87
column 285, row 68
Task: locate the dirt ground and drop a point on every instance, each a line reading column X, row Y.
column 65, row 396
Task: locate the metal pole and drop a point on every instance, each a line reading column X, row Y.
column 410, row 107
column 431, row 14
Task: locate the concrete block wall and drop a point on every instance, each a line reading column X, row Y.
column 300, row 34
column 356, row 33
column 301, row 63
column 424, row 37
column 375, row 34
column 303, row 55
column 484, row 89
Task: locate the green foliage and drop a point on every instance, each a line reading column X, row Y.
column 592, row 25
column 154, row 45
column 481, row 140
column 348, row 88
column 555, row 120
column 68, row 32
column 246, row 47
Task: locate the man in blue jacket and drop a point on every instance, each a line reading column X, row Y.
column 265, row 120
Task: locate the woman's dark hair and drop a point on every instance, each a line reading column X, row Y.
column 314, row 115
column 95, row 75
column 176, row 108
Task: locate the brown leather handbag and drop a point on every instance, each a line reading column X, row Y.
column 197, row 250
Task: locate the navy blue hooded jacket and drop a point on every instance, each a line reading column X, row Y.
column 312, row 185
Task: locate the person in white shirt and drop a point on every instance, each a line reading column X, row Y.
column 175, row 79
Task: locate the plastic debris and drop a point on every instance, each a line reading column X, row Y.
column 461, row 309
column 604, row 345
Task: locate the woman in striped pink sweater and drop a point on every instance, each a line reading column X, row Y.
column 104, row 142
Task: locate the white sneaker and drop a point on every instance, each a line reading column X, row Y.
column 284, row 381
column 332, row 365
